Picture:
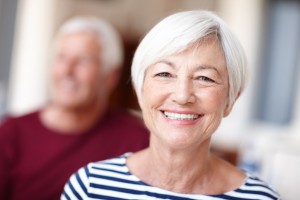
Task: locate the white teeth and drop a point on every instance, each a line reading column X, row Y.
column 177, row 116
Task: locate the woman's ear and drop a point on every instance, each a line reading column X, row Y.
column 228, row 109
column 229, row 105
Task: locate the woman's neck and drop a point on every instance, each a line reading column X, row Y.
column 186, row 172
column 173, row 170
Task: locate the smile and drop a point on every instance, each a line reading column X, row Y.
column 178, row 116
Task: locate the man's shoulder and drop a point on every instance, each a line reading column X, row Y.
column 22, row 116
column 11, row 123
column 10, row 118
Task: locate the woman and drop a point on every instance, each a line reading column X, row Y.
column 187, row 72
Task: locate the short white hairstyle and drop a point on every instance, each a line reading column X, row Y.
column 178, row 32
column 109, row 39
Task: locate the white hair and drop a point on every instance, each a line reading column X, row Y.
column 109, row 39
column 178, row 32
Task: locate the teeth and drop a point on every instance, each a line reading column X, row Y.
column 177, row 116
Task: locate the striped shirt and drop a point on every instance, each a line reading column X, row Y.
column 111, row 179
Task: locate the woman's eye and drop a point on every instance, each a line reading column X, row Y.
column 164, row 74
column 206, row 79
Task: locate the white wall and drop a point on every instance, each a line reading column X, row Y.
column 245, row 20
column 30, row 56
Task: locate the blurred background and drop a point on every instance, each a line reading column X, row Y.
column 263, row 132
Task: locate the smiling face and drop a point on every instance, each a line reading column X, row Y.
column 185, row 96
column 77, row 81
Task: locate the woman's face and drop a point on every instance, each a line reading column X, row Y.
column 185, row 96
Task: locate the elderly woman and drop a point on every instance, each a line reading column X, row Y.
column 187, row 72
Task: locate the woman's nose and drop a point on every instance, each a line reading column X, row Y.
column 183, row 92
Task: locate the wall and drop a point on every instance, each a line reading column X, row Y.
column 28, row 77
column 7, row 23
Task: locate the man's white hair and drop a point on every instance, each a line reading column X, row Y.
column 108, row 37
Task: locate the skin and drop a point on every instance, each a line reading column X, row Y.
column 193, row 82
column 79, row 87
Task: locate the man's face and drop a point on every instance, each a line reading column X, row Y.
column 77, row 80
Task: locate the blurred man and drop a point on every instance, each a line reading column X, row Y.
column 40, row 150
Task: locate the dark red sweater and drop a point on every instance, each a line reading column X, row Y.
column 36, row 162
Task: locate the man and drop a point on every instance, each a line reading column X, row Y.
column 40, row 150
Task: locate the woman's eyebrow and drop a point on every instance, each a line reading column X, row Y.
column 201, row 67
column 167, row 62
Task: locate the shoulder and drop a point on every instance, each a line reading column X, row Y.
column 13, row 123
column 106, row 167
column 108, row 170
column 11, row 119
column 11, row 131
column 109, row 167
column 258, row 188
column 95, row 176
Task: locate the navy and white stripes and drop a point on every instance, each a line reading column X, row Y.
column 111, row 179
